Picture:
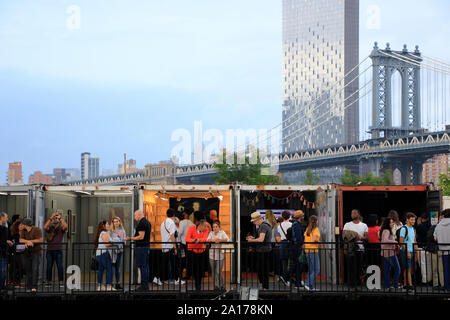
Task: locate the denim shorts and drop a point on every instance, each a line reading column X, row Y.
column 404, row 261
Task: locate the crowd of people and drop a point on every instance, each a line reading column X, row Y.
column 400, row 249
column 193, row 243
column 284, row 242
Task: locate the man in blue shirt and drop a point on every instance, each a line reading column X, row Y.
column 407, row 239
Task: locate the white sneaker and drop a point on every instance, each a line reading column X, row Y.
column 307, row 288
column 110, row 288
column 177, row 282
column 157, row 281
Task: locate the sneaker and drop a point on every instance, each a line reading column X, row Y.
column 179, row 281
column 157, row 281
column 101, row 288
column 302, row 283
column 307, row 288
column 169, row 282
column 110, row 288
column 282, row 280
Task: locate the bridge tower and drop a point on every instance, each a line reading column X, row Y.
column 384, row 64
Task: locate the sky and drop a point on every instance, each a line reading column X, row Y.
column 115, row 76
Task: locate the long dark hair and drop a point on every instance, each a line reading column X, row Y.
column 386, row 226
column 100, row 228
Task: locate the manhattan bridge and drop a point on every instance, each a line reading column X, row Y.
column 404, row 119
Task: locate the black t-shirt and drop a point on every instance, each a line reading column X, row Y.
column 422, row 230
column 143, row 225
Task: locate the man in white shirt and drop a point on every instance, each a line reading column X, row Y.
column 354, row 262
column 168, row 229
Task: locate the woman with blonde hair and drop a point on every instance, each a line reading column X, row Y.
column 270, row 218
column 118, row 234
column 312, row 237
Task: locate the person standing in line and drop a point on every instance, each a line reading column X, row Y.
column 442, row 236
column 298, row 240
column 373, row 245
column 216, row 254
column 388, row 249
column 55, row 228
column 285, row 247
column 31, row 237
column 195, row 238
column 168, row 231
column 424, row 256
column 102, row 244
column 142, row 238
column 437, row 267
column 5, row 243
column 355, row 260
column 185, row 223
column 119, row 236
column 312, row 239
column 18, row 271
column 407, row 249
column 263, row 239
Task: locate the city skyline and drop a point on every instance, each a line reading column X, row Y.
column 114, row 96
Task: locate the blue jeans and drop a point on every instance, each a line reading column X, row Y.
column 117, row 266
column 142, row 263
column 391, row 262
column 52, row 257
column 104, row 263
column 3, row 263
column 313, row 268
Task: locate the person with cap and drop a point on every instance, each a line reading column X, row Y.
column 263, row 239
column 296, row 248
column 31, row 236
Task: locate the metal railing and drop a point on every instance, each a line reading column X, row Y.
column 289, row 268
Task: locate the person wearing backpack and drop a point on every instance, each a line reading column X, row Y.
column 285, row 231
column 407, row 236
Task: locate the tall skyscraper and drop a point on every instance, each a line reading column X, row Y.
column 15, row 173
column 320, row 46
column 85, row 165
column 94, row 168
column 90, row 167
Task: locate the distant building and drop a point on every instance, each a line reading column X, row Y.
column 40, row 178
column 15, row 173
column 59, row 176
column 130, row 167
column 90, row 167
column 85, row 165
column 73, row 174
column 434, row 167
column 94, row 168
column 160, row 173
